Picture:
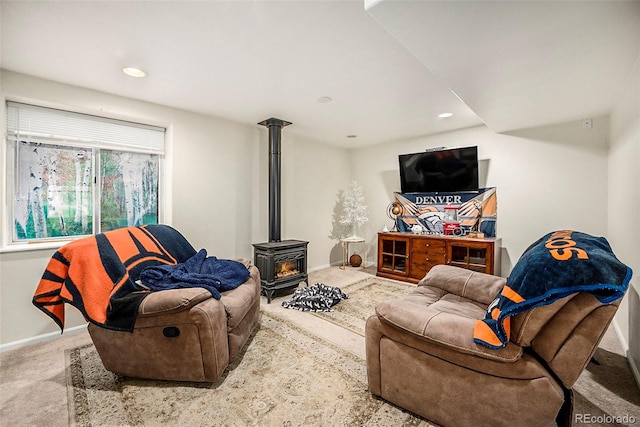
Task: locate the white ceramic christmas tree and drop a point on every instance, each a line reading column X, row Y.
column 355, row 208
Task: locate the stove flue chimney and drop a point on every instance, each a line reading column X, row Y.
column 275, row 135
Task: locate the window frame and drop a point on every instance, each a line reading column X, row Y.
column 10, row 240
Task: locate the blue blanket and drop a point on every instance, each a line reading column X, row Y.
column 557, row 265
column 199, row 271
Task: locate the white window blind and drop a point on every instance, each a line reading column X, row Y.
column 33, row 123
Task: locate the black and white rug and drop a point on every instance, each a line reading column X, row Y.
column 318, row 297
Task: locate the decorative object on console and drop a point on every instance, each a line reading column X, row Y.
column 451, row 223
column 427, row 210
column 393, row 211
column 475, row 232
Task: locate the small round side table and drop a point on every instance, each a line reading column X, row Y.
column 345, row 248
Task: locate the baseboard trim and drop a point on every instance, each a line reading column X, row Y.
column 41, row 338
column 335, row 264
column 625, row 348
column 623, row 341
column 634, row 367
column 320, row 267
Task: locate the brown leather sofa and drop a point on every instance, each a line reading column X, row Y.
column 183, row 334
column 422, row 357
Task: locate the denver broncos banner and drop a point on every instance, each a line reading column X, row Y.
column 427, row 210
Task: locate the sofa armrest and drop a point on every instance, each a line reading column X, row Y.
column 448, row 323
column 479, row 287
column 171, row 301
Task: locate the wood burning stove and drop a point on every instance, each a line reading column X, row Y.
column 282, row 264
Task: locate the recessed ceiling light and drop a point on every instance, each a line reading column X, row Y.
column 445, row 115
column 324, row 99
column 133, row 72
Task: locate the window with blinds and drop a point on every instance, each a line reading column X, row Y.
column 74, row 174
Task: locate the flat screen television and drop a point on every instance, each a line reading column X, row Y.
column 439, row 170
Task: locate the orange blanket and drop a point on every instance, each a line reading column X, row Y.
column 97, row 274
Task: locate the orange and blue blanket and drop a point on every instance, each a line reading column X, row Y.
column 98, row 274
column 557, row 265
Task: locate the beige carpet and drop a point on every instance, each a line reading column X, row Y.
column 286, row 377
column 364, row 295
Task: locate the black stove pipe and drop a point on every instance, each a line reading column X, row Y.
column 275, row 130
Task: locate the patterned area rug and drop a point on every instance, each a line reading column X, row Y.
column 285, row 377
column 364, row 295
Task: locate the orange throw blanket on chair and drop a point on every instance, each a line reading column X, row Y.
column 97, row 274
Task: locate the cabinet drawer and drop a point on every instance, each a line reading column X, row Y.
column 420, row 266
column 426, row 246
column 425, row 254
column 427, row 259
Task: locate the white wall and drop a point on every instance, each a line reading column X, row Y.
column 312, row 175
column 218, row 190
column 546, row 178
column 624, row 205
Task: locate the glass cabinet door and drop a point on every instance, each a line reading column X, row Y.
column 394, row 255
column 469, row 256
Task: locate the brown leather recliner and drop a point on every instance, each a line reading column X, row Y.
column 177, row 331
column 183, row 334
column 422, row 357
